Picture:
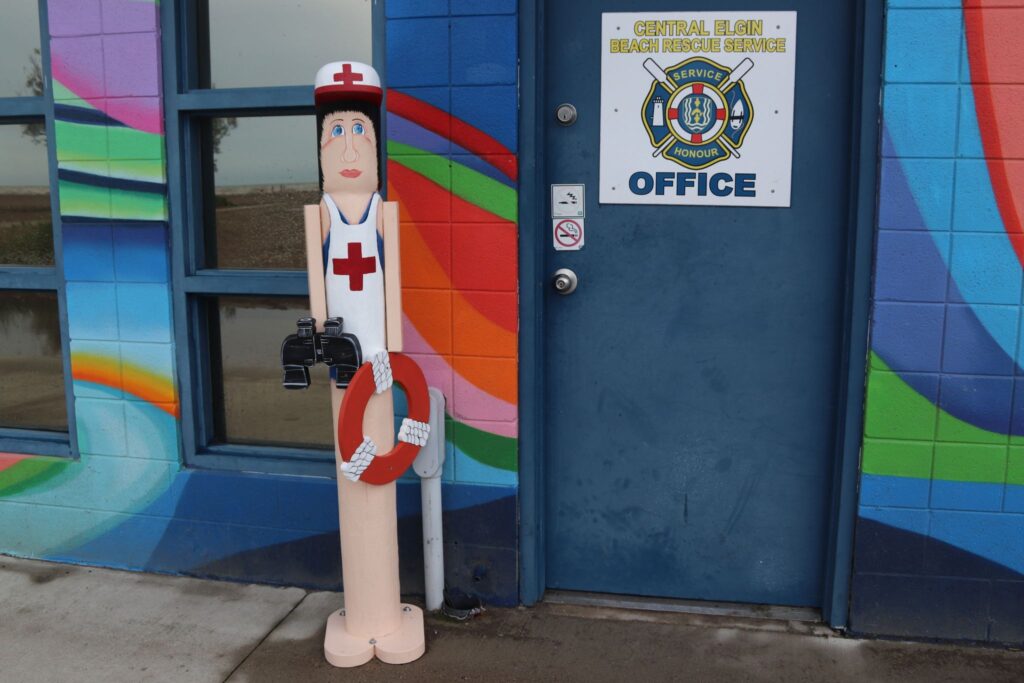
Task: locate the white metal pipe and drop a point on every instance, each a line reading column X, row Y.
column 429, row 465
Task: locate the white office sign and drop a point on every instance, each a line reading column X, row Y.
column 697, row 108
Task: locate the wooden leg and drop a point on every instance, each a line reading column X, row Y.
column 368, row 519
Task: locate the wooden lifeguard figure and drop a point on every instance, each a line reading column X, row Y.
column 352, row 253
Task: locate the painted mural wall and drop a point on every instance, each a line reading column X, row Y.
column 127, row 501
column 940, row 538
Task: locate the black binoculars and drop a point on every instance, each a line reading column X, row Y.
column 332, row 347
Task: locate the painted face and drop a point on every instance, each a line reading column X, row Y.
column 348, row 153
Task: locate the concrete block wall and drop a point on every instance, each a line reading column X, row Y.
column 940, row 536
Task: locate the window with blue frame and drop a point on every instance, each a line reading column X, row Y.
column 34, row 402
column 242, row 163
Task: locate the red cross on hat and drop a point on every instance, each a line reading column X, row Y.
column 347, row 81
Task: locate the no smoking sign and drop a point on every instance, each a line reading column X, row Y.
column 567, row 234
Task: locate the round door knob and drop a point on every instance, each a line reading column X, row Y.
column 566, row 114
column 565, row 281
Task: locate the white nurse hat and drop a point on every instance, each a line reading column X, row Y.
column 347, row 81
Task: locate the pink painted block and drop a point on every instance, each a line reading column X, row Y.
column 74, row 17
column 129, row 16
column 132, row 62
column 141, row 113
column 78, row 65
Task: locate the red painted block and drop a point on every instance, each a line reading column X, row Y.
column 484, row 256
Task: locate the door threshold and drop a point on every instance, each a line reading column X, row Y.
column 720, row 609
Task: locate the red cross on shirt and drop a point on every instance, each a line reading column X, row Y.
column 347, row 76
column 355, row 266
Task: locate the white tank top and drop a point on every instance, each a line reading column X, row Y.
column 355, row 277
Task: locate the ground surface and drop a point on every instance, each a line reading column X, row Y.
column 63, row 623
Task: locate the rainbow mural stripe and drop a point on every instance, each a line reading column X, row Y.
column 940, row 540
column 127, row 501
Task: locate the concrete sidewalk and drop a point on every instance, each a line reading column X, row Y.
column 66, row 623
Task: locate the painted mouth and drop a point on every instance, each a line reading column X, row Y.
column 351, row 173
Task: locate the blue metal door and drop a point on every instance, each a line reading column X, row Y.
column 691, row 380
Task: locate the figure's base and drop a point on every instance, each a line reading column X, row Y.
column 405, row 645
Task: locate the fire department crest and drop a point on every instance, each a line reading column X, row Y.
column 697, row 113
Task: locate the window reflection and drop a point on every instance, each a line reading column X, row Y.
column 31, row 370
column 263, row 170
column 250, row 405
column 253, row 43
column 20, row 73
column 26, row 232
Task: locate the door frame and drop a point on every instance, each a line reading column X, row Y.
column 864, row 159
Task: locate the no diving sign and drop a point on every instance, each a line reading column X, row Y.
column 567, row 233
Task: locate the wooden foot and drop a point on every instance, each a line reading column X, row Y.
column 408, row 643
column 343, row 649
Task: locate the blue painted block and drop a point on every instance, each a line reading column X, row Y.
column 919, row 606
column 101, row 426
column 92, row 310
column 141, row 253
column 922, row 119
column 901, row 274
column 915, row 194
column 966, row 495
column 399, row 9
column 88, row 253
column 1007, row 617
column 974, row 204
column 887, row 491
column 881, row 548
column 986, row 265
column 492, row 109
column 924, row 3
column 980, row 401
column 418, row 52
column 909, row 336
column 484, row 50
column 157, row 358
column 969, row 138
column 144, row 312
column 151, row 431
column 969, row 348
column 922, row 46
column 483, row 7
column 984, row 534
column 469, row 471
column 1013, row 499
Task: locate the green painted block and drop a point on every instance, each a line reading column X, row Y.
column 970, row 462
column 955, row 429
column 128, row 143
column 138, row 206
column 1015, row 466
column 487, row 193
column 895, row 411
column 79, row 141
column 493, row 450
column 77, row 199
column 148, row 170
column 433, row 167
column 898, row 458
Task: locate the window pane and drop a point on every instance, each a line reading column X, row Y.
column 254, row 43
column 20, row 72
column 26, row 232
column 263, row 170
column 31, row 371
column 250, row 405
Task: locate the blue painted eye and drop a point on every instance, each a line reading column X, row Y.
column 337, row 130
column 357, row 129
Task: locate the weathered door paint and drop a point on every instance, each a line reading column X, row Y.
column 692, row 378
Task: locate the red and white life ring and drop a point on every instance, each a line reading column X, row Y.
column 675, row 116
column 389, row 466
